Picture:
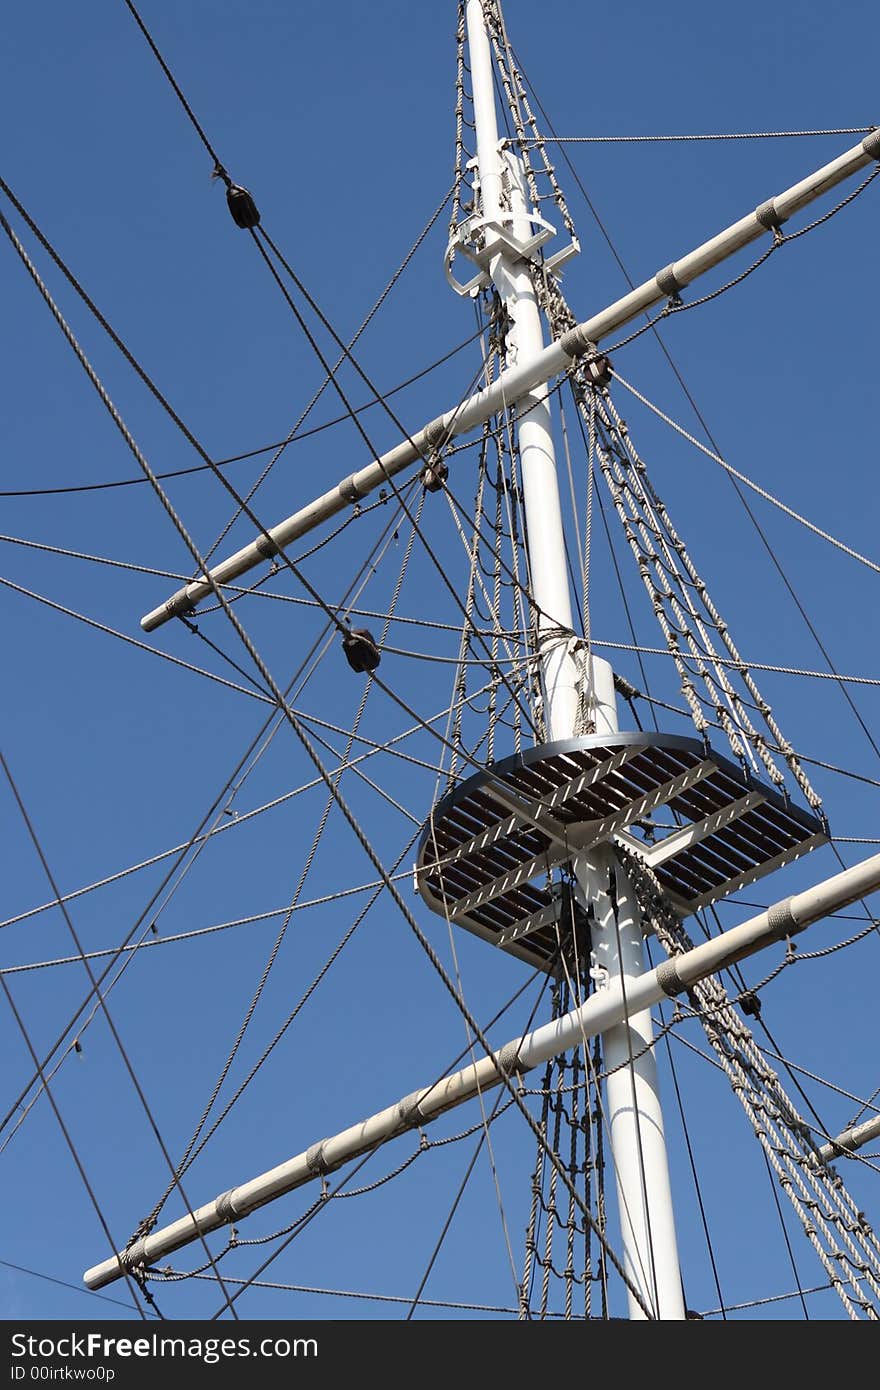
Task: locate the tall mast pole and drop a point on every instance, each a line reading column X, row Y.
column 633, row 1114
column 503, row 203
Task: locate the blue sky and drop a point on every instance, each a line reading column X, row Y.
column 340, row 121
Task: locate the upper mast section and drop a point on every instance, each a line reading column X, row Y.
column 501, row 237
column 490, row 223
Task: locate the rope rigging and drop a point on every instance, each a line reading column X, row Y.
column 682, row 605
column 231, row 819
column 297, row 727
column 839, row 1233
column 191, row 1150
column 131, row 1282
column 296, row 433
column 496, row 700
column 575, row 1129
column 197, row 841
column 291, row 1232
column 749, row 482
column 117, row 1039
column 151, row 475
column 651, row 326
column 483, row 1126
column 678, row 595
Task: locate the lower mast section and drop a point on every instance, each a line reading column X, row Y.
column 633, row 1114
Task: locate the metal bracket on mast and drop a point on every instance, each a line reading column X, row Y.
column 481, row 239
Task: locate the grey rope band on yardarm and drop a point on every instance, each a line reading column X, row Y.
column 768, row 217
column 315, row 1160
column 136, row 1253
column 348, row 490
column 668, row 282
column 408, row 1109
column 508, row 1062
column 223, row 1205
column 668, row 978
column 871, row 144
column 781, row 921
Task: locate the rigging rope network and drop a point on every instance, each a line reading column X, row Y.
column 567, row 1215
column 298, row 729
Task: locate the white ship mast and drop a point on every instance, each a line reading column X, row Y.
column 634, row 1115
column 578, row 703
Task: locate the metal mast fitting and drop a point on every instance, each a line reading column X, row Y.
column 517, row 380
column 601, row 1011
column 485, row 854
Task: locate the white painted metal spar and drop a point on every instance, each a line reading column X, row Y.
column 603, row 1011
column 842, row 1145
column 518, row 380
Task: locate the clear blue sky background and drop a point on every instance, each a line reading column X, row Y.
column 340, row 120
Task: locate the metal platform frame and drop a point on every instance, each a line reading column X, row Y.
column 487, row 852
